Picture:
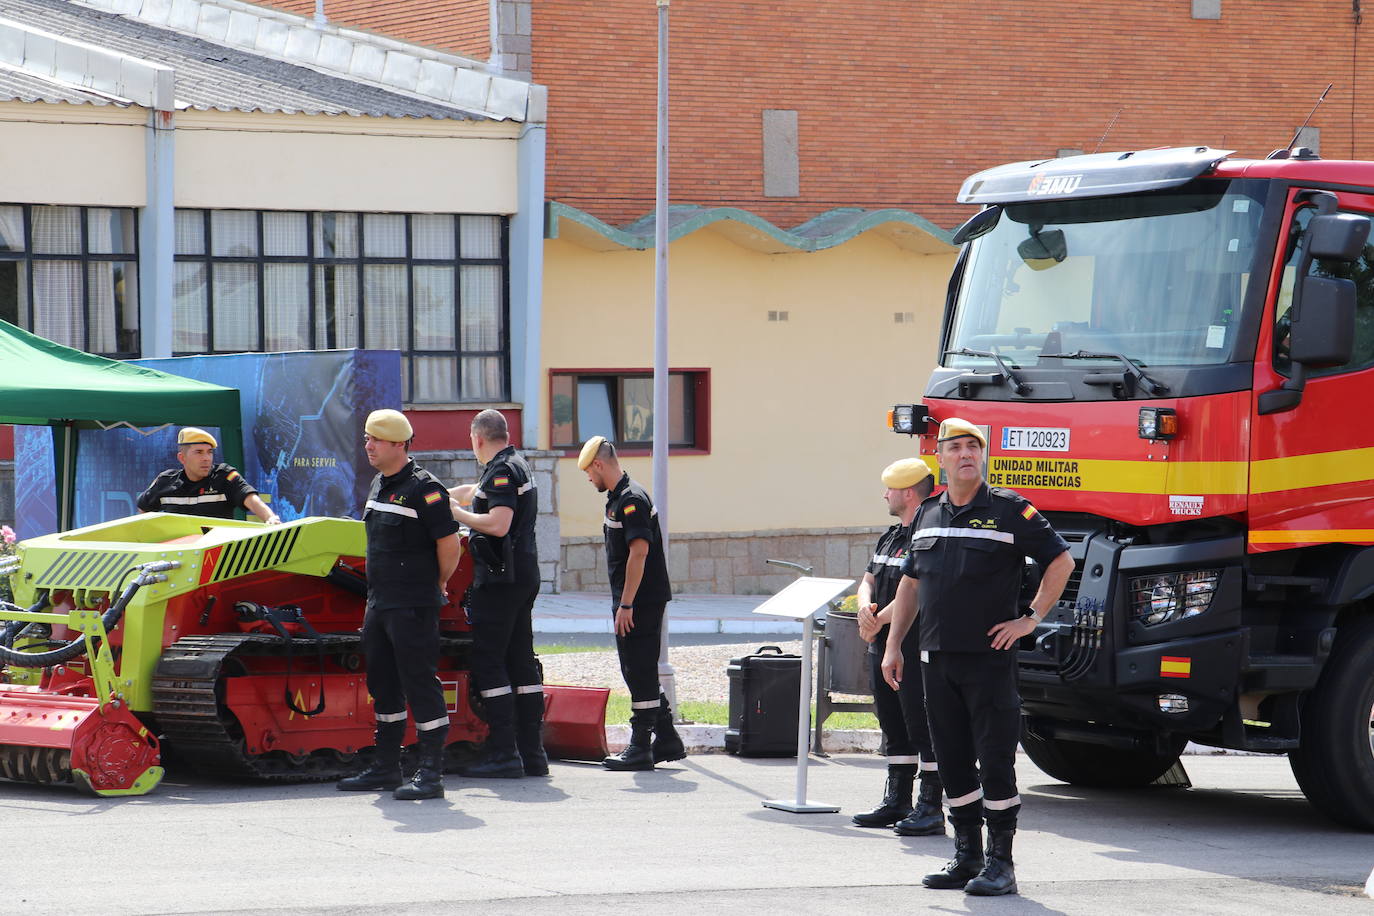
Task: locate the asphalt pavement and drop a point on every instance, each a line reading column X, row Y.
column 690, row 837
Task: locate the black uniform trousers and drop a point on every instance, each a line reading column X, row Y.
column 902, row 715
column 503, row 657
column 975, row 724
column 401, row 646
column 638, row 651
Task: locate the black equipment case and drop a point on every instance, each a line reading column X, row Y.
column 764, row 690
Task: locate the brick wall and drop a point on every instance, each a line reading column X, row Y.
column 898, row 102
column 457, row 26
column 732, row 563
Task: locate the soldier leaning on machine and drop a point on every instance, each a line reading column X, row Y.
column 505, row 670
column 201, row 487
column 640, row 592
column 901, row 713
column 412, row 552
column 960, row 584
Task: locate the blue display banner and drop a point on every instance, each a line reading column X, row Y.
column 303, row 416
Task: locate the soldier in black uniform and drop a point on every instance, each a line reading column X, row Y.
column 640, row 592
column 961, row 582
column 505, row 670
column 901, row 714
column 412, row 551
column 201, row 487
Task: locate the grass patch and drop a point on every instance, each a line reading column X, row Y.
column 563, row 650
column 701, row 713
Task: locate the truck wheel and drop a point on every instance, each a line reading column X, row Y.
column 1097, row 765
column 1334, row 762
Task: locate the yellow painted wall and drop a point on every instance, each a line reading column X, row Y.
column 289, row 162
column 798, row 408
column 72, row 154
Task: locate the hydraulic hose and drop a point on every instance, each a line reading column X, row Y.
column 148, row 574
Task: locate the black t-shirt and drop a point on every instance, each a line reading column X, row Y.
column 886, row 569
column 970, row 561
column 631, row 516
column 216, row 495
column 507, row 481
column 405, row 514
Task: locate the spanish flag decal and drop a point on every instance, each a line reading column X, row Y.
column 630, row 510
column 500, row 481
column 1028, row 512
column 233, row 475
column 432, row 498
column 1175, row 666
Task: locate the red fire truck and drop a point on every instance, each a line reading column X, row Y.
column 1172, row 352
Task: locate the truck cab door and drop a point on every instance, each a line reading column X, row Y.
column 1312, row 466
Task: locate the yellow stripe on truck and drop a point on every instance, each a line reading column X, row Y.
column 1109, row 476
column 1316, row 470
column 1313, row 536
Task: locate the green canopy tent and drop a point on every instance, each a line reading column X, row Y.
column 46, row 384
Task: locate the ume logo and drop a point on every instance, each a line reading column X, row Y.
column 1044, row 185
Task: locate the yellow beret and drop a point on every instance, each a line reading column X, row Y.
column 390, row 425
column 953, row 428
column 589, row 451
column 905, row 473
column 194, row 435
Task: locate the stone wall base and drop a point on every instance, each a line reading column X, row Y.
column 732, row 562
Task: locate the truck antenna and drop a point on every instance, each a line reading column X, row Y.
column 1108, row 130
column 1320, row 99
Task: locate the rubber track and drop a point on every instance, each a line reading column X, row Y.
column 189, row 716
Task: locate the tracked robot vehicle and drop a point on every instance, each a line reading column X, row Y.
column 233, row 645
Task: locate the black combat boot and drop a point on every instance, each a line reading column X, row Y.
column 927, row 818
column 385, row 772
column 667, row 744
column 428, row 780
column 968, row 857
column 896, row 803
column 997, row 877
column 639, row 753
column 529, row 733
column 500, row 759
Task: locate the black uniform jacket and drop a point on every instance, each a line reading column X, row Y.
column 507, row 481
column 886, row 569
column 631, row 516
column 970, row 562
column 405, row 514
column 216, row 495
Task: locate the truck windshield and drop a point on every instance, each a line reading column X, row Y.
column 1158, row 278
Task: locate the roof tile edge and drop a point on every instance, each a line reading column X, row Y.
column 348, row 53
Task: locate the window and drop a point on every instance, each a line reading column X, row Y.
column 70, row 274
column 433, row 286
column 619, row 404
column 1360, row 272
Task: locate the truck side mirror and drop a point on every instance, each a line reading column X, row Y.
column 1323, row 329
column 1337, row 236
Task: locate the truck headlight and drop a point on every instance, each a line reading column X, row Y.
column 1166, row 597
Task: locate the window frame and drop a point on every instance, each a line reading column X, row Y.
column 313, row 260
column 85, row 257
column 699, row 378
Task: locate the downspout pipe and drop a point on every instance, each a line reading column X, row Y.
column 156, row 229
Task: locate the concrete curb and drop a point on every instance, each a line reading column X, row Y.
column 602, row 626
column 709, row 739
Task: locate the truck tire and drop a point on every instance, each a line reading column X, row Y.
column 1096, row 765
column 1334, row 762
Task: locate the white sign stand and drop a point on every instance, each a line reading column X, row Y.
column 800, row 601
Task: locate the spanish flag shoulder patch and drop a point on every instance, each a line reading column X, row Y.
column 1028, row 512
column 432, row 498
column 500, row 481
column 630, row 509
column 233, row 475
